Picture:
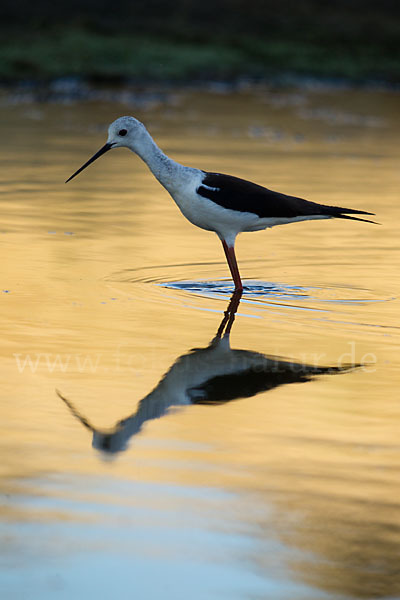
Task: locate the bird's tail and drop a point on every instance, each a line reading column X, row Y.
column 343, row 213
column 357, row 218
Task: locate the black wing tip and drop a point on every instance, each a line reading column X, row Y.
column 340, row 212
column 354, row 211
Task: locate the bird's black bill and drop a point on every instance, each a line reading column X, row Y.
column 102, row 151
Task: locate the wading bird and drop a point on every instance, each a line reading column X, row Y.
column 221, row 203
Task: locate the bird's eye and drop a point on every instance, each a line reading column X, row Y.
column 122, row 132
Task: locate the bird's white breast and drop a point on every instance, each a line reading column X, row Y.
column 205, row 213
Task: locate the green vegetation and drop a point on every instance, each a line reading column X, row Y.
column 188, row 39
column 108, row 57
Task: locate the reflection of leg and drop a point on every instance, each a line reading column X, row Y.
column 235, row 301
column 233, row 306
column 233, row 266
column 222, row 326
column 229, row 315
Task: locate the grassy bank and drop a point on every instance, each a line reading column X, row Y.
column 104, row 56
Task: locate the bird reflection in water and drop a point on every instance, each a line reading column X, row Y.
column 212, row 375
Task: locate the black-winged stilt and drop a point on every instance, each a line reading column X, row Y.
column 221, row 203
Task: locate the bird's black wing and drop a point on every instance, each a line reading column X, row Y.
column 244, row 196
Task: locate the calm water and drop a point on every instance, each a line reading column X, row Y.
column 263, row 478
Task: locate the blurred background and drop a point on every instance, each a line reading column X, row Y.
column 355, row 40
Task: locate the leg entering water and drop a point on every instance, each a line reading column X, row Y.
column 233, row 266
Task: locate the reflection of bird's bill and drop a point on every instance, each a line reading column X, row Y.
column 107, row 440
column 100, row 152
column 75, row 412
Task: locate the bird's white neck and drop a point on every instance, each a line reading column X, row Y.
column 168, row 172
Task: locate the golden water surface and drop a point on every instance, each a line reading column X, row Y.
column 258, row 481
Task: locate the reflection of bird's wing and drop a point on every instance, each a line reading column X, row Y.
column 258, row 373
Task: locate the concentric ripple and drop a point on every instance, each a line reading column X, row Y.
column 276, row 291
column 317, row 298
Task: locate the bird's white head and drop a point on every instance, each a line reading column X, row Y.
column 125, row 132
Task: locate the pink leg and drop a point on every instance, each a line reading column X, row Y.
column 231, row 258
